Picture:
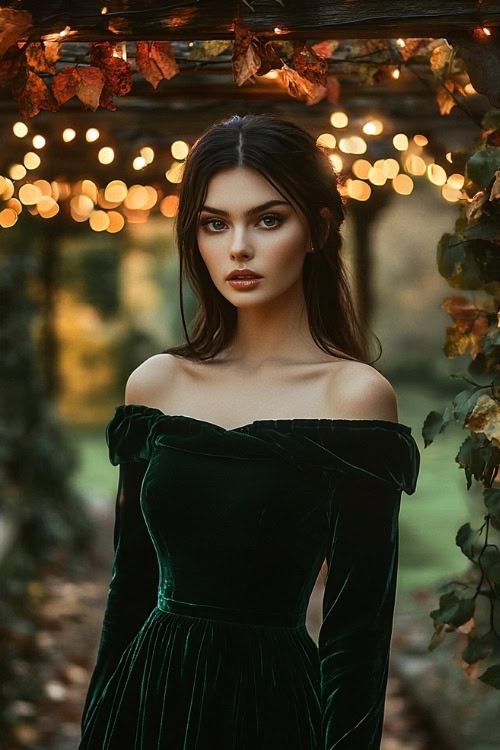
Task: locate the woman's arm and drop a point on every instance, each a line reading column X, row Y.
column 133, row 589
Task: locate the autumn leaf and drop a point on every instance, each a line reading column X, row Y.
column 297, row 86
column 440, row 58
column 117, row 73
column 269, row 58
column 52, row 49
column 485, row 417
column 444, row 100
column 495, row 189
column 37, row 60
column 327, row 47
column 162, row 54
column 32, row 95
column 85, row 83
column 412, row 47
column 245, row 58
column 308, row 64
column 155, row 62
column 13, row 26
column 208, row 48
column 11, row 63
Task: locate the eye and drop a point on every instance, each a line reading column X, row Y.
column 275, row 217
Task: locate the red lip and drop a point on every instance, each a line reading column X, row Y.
column 243, row 272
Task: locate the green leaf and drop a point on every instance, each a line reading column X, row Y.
column 490, row 562
column 450, row 255
column 465, row 540
column 482, row 165
column 478, row 371
column 475, row 650
column 492, row 501
column 483, row 229
column 453, row 611
column 491, row 677
column 491, row 120
column 433, row 425
column 464, row 402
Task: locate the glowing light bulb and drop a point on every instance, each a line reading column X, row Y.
column 20, row 129
column 38, row 141
column 68, row 135
column 400, row 141
column 339, row 119
column 373, row 127
column 326, row 139
column 396, row 73
column 92, row 134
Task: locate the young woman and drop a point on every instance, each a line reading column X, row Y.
column 263, row 446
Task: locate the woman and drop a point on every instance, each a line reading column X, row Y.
column 264, row 445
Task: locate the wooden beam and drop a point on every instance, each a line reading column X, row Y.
column 213, row 19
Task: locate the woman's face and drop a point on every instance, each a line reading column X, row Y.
column 233, row 235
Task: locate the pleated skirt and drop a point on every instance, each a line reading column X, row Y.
column 195, row 683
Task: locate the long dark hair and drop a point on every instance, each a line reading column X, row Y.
column 289, row 158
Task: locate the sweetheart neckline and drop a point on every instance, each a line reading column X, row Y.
column 304, row 421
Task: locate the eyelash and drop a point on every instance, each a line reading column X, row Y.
column 273, row 216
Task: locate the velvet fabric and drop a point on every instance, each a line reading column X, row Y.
column 219, row 538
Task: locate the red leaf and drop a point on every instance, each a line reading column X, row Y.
column 33, row 95
column 86, row 83
column 13, row 26
column 308, row 64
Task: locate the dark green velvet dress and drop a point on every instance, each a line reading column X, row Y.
column 219, row 538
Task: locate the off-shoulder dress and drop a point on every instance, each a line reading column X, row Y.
column 219, row 538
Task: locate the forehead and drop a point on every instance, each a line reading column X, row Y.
column 242, row 191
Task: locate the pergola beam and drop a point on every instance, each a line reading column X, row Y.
column 214, row 19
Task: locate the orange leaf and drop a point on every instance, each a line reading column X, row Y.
column 11, row 63
column 163, row 55
column 269, row 58
column 13, row 26
column 333, row 89
column 327, row 47
column 245, row 59
column 145, row 65
column 117, row 72
column 308, row 64
column 86, row 83
column 445, row 101
column 298, row 87
column 156, row 62
column 52, row 52
column 33, row 95
column 36, row 59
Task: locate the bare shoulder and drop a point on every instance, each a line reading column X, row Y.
column 150, row 379
column 366, row 393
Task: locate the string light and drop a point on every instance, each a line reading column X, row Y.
column 396, row 73
column 339, row 119
column 326, row 139
column 373, row 127
column 486, row 31
column 20, row 129
column 38, row 141
column 400, row 142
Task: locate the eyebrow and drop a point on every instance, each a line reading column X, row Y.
column 250, row 211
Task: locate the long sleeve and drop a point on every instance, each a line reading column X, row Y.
column 133, row 589
column 358, row 607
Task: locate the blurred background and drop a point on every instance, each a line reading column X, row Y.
column 90, row 291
